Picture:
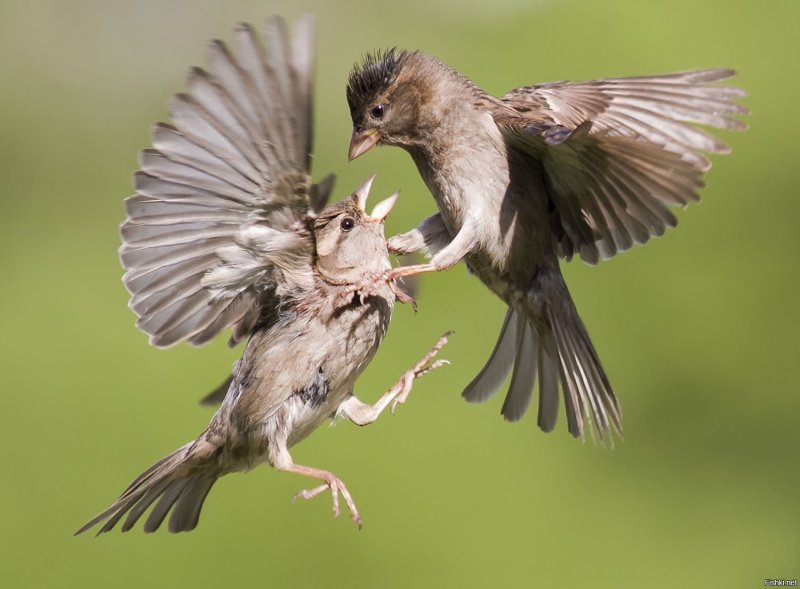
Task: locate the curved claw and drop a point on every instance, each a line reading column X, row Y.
column 336, row 485
column 423, row 367
column 402, row 295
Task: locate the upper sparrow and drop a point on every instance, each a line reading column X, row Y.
column 226, row 230
column 545, row 172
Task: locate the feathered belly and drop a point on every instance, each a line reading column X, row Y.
column 346, row 359
column 289, row 382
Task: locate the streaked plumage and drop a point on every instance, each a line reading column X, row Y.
column 227, row 231
column 546, row 172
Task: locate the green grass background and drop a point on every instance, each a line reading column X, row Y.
column 698, row 329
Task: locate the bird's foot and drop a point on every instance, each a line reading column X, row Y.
column 336, row 485
column 423, row 367
column 371, row 286
column 402, row 295
column 405, row 243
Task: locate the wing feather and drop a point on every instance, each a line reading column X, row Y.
column 617, row 153
column 218, row 227
column 168, row 140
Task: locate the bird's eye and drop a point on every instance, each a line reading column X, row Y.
column 347, row 224
column 378, row 111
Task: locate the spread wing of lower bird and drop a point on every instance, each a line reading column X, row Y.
column 617, row 153
column 217, row 234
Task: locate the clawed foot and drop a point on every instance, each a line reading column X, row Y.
column 423, row 367
column 336, row 486
column 368, row 287
column 402, row 295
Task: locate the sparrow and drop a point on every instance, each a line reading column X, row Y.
column 544, row 173
column 226, row 230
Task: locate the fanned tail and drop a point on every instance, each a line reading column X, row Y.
column 179, row 482
column 549, row 341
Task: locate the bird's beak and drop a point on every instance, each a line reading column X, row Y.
column 361, row 142
column 383, row 208
column 362, row 193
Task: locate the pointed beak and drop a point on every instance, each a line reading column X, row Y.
column 361, row 142
column 362, row 193
column 383, row 208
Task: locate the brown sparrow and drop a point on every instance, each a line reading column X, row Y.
column 226, row 230
column 544, row 173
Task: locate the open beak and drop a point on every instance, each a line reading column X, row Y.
column 383, row 208
column 361, row 142
column 361, row 194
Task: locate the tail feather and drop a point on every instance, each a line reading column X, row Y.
column 139, row 507
column 523, row 378
column 186, row 512
column 572, row 384
column 586, row 385
column 139, row 495
column 497, row 367
column 165, row 503
column 547, row 337
column 180, row 481
column 548, row 384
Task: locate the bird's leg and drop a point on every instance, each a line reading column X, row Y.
column 279, row 457
column 332, row 482
column 361, row 413
column 431, row 235
column 423, row 367
column 462, row 244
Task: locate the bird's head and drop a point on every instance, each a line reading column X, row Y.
column 388, row 94
column 350, row 243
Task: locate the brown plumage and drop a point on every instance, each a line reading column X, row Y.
column 546, row 172
column 226, row 230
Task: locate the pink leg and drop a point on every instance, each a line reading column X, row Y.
column 332, row 482
column 423, row 367
column 361, row 413
column 461, row 245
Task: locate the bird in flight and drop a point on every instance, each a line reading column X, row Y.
column 542, row 174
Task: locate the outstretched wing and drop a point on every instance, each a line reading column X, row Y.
column 217, row 232
column 617, row 153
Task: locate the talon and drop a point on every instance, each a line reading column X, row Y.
column 422, row 368
column 336, row 486
column 432, row 367
column 395, row 403
column 402, row 295
column 344, row 297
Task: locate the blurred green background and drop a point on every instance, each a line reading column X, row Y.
column 698, row 330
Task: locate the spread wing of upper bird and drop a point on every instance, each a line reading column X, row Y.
column 617, row 153
column 218, row 232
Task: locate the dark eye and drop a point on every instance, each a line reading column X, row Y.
column 347, row 224
column 378, row 111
